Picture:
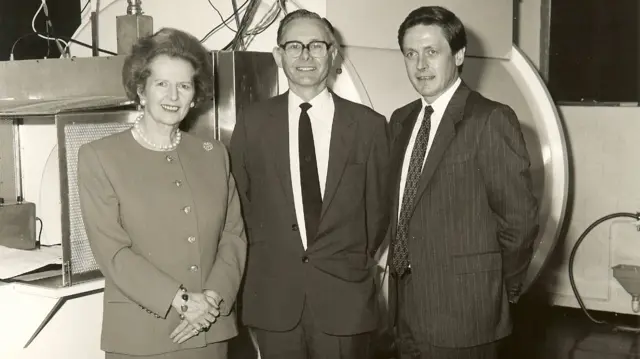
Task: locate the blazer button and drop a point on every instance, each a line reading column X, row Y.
column 191, row 239
column 169, row 159
column 305, row 259
column 178, row 183
column 193, row 268
column 294, row 227
column 187, row 209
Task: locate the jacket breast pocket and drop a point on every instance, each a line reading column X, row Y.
column 477, row 262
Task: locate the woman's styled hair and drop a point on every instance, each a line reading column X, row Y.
column 173, row 43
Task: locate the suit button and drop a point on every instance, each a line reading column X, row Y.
column 191, row 239
column 186, row 209
column 169, row 159
column 193, row 268
column 178, row 183
column 294, row 227
column 305, row 259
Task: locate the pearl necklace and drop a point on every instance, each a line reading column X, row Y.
column 170, row 147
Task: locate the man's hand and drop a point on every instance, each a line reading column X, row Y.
column 214, row 300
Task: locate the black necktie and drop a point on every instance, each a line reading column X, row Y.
column 309, row 181
column 400, row 257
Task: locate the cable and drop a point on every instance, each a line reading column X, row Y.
column 17, row 41
column 224, row 22
column 572, row 257
column 235, row 11
column 71, row 40
column 33, row 26
column 41, row 226
column 81, row 11
column 85, row 6
column 244, row 23
column 267, row 20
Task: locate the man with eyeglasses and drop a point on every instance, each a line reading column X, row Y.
column 311, row 171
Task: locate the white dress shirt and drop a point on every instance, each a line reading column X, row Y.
column 321, row 114
column 439, row 106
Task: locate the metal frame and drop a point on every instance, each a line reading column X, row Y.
column 555, row 159
column 241, row 77
column 545, row 38
column 69, row 277
column 9, row 157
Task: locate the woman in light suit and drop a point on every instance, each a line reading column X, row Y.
column 162, row 214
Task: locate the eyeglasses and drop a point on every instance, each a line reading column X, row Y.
column 316, row 49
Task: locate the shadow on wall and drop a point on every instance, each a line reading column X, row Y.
column 472, row 78
column 336, row 69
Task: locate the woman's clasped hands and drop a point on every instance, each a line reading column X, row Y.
column 197, row 310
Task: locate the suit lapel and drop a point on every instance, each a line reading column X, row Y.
column 343, row 131
column 278, row 127
column 442, row 138
column 401, row 133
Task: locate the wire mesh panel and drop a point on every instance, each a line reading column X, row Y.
column 77, row 133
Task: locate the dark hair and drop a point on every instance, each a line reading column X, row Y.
column 436, row 15
column 173, row 43
column 305, row 14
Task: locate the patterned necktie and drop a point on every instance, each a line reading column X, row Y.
column 400, row 258
column 309, row 180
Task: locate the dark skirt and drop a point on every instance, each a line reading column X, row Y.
column 211, row 351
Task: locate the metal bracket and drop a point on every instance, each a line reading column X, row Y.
column 66, row 273
column 56, row 307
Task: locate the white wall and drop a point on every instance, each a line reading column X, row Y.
column 603, row 143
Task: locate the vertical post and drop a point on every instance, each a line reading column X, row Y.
column 95, row 7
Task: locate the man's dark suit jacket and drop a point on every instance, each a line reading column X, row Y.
column 334, row 275
column 474, row 220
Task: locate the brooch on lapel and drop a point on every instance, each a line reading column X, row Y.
column 208, row 146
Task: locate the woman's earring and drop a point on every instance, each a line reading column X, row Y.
column 143, row 102
column 192, row 104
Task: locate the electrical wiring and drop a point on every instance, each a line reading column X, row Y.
column 219, row 26
column 234, row 6
column 262, row 25
column 13, row 47
column 89, row 46
column 248, row 34
column 71, row 40
column 224, row 22
column 85, row 6
column 234, row 44
column 33, row 26
column 267, row 20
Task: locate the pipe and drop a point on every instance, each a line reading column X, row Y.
column 635, row 301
